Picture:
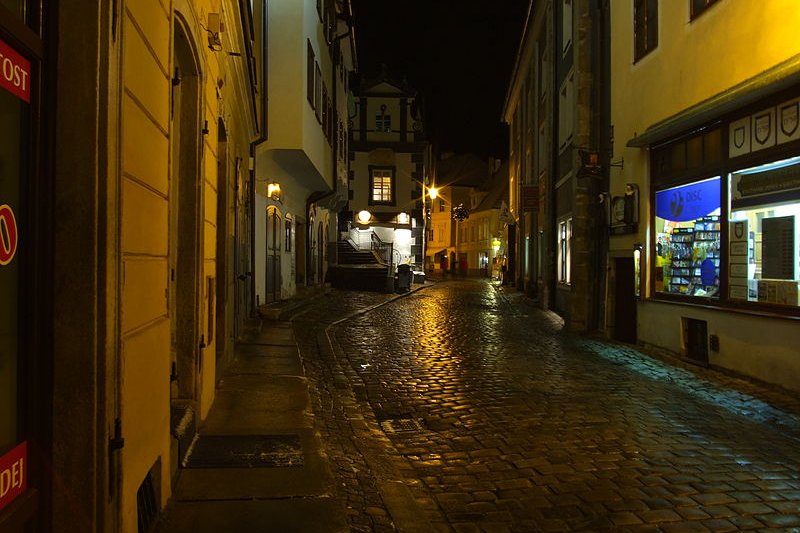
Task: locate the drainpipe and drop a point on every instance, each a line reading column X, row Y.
column 251, row 164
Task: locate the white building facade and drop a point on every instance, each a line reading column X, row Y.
column 301, row 168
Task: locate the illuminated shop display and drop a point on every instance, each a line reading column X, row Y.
column 688, row 239
column 764, row 233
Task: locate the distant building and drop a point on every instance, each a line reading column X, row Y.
column 389, row 165
column 477, row 243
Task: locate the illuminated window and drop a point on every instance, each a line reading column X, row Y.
column 764, row 234
column 564, row 250
column 381, row 186
column 645, row 27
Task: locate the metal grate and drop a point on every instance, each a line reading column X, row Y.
column 402, row 425
column 245, row 451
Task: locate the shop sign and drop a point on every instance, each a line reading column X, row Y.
column 762, row 185
column 15, row 73
column 8, row 235
column 530, row 197
column 13, row 474
column 688, row 202
column 775, row 125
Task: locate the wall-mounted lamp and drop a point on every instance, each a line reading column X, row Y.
column 364, row 216
column 215, row 27
column 403, row 218
column 274, row 191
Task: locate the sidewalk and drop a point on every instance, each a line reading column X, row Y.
column 258, row 464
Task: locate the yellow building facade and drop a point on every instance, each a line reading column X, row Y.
column 704, row 107
column 145, row 114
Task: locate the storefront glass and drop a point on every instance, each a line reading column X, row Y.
column 13, row 116
column 764, row 253
column 688, row 239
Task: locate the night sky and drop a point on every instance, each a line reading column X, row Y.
column 457, row 53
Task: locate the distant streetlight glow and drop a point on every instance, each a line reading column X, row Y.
column 433, row 192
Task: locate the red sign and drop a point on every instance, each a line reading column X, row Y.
column 8, row 235
column 13, row 474
column 15, row 72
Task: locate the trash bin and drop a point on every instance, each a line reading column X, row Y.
column 404, row 276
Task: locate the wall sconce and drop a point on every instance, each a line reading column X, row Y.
column 364, row 216
column 274, row 191
column 637, row 270
column 215, row 27
column 403, row 218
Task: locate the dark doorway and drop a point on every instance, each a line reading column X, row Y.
column 624, row 300
column 300, row 253
column 184, row 229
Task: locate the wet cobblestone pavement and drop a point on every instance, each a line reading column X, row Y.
column 461, row 408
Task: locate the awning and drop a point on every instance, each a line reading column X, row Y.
column 780, row 77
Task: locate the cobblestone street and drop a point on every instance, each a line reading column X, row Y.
column 460, row 407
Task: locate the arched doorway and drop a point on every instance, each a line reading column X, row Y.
column 184, row 218
column 273, row 258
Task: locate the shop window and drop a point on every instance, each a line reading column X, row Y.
column 687, row 226
column 564, row 250
column 645, row 27
column 764, row 233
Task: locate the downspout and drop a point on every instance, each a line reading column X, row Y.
column 251, row 164
column 552, row 219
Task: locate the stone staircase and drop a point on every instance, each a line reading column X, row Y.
column 359, row 270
